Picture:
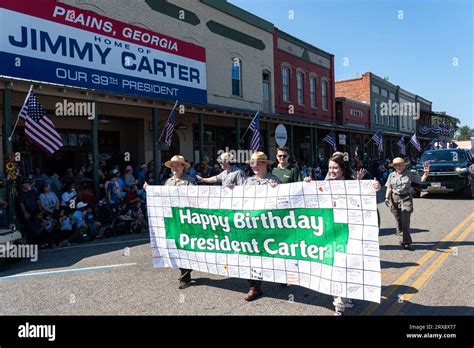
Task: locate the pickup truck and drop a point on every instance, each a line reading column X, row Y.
column 451, row 170
column 8, row 237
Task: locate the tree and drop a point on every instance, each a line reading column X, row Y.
column 464, row 133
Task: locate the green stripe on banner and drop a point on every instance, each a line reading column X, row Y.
column 300, row 233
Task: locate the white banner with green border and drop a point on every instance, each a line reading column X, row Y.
column 321, row 235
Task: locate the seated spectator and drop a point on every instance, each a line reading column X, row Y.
column 35, row 231
column 132, row 196
column 69, row 195
column 79, row 220
column 50, row 230
column 86, row 194
column 65, row 224
column 94, row 226
column 49, row 201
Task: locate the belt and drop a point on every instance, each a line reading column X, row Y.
column 402, row 195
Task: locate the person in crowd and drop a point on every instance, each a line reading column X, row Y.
column 49, row 201
column 39, row 178
column 29, row 204
column 79, row 221
column 93, row 225
column 114, row 194
column 259, row 163
column 65, row 224
column 55, row 184
column 86, row 194
column 128, row 178
column 142, row 174
column 399, row 197
column 69, row 177
column 230, row 173
column 80, row 176
column 68, row 196
column 285, row 171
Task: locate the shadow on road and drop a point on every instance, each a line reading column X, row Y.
column 68, row 256
column 293, row 293
column 389, row 264
column 391, row 231
column 428, row 246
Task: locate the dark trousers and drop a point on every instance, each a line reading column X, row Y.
column 185, row 275
column 401, row 209
column 255, row 283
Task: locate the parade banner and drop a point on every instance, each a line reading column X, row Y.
column 48, row 41
column 321, row 235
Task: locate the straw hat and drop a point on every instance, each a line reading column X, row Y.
column 259, row 156
column 397, row 160
column 177, row 159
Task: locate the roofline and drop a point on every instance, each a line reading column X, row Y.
column 296, row 41
column 241, row 14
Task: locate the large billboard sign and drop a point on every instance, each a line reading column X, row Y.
column 48, row 41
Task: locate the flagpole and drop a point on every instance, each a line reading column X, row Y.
column 248, row 127
column 18, row 116
column 174, row 107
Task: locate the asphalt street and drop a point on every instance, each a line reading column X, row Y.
column 115, row 276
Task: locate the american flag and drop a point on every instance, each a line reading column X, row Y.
column 377, row 138
column 331, row 139
column 169, row 127
column 402, row 146
column 255, row 128
column 415, row 142
column 38, row 127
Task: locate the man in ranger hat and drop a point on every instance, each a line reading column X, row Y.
column 230, row 175
column 178, row 164
column 259, row 163
column 399, row 197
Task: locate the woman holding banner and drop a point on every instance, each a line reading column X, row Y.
column 339, row 169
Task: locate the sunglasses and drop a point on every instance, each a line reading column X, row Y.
column 282, row 156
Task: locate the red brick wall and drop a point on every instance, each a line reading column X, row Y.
column 281, row 58
column 357, row 89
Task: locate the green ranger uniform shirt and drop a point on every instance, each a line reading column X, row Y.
column 254, row 180
column 287, row 175
column 401, row 183
column 185, row 180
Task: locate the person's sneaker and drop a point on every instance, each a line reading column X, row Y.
column 408, row 247
column 346, row 303
column 253, row 293
column 183, row 284
column 338, row 314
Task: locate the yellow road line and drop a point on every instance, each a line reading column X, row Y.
column 411, row 270
column 418, row 283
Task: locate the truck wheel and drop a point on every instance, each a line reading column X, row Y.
column 467, row 192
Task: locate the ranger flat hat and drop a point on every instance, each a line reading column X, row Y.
column 177, row 159
column 397, row 160
column 258, row 156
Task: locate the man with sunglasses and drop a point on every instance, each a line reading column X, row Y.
column 285, row 171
